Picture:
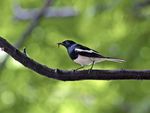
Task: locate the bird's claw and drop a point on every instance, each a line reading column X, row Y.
column 89, row 71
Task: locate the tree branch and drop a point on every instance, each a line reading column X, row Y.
column 29, row 29
column 71, row 75
column 53, row 12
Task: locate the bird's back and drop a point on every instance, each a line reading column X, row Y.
column 85, row 51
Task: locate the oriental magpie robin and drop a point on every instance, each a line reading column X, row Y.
column 84, row 55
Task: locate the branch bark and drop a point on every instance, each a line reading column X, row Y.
column 29, row 29
column 72, row 75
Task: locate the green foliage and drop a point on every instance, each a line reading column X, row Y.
column 114, row 28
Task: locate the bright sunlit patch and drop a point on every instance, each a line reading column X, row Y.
column 62, row 90
column 8, row 98
column 14, row 64
column 73, row 108
column 2, row 55
column 59, row 93
column 119, row 30
column 98, row 85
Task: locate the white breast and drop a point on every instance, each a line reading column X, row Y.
column 82, row 60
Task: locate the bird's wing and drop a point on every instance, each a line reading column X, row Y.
column 85, row 51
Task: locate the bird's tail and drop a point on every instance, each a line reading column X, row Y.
column 114, row 59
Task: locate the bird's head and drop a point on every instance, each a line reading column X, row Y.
column 66, row 43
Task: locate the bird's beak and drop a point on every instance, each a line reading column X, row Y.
column 59, row 44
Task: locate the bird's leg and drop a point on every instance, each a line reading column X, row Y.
column 91, row 66
column 79, row 68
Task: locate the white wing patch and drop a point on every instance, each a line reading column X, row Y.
column 81, row 50
column 82, row 60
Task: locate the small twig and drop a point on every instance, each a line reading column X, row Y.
column 24, row 51
column 29, row 29
column 72, row 75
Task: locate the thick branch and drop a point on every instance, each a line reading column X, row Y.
column 29, row 29
column 71, row 75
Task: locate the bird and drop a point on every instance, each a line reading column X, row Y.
column 84, row 56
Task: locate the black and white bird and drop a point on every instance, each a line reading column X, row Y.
column 84, row 55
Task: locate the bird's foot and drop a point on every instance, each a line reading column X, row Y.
column 74, row 70
column 24, row 51
column 78, row 68
column 89, row 71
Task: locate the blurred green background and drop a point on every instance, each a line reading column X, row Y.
column 117, row 28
